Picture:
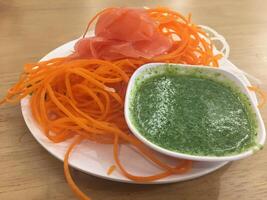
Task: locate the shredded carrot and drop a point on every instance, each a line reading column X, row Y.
column 69, row 179
column 261, row 93
column 84, row 98
column 111, row 169
column 193, row 45
column 184, row 167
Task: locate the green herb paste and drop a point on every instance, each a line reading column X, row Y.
column 193, row 115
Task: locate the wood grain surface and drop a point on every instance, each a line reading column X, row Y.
column 29, row 29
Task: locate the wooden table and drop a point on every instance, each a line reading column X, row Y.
column 29, row 29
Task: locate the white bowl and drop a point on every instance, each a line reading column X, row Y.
column 142, row 73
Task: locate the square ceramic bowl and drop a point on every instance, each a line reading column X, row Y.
column 221, row 75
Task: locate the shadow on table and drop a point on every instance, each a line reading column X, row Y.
column 203, row 188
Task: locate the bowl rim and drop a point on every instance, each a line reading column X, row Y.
column 261, row 128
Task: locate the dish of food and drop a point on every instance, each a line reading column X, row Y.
column 75, row 95
column 210, row 109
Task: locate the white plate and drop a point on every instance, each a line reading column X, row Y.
column 95, row 159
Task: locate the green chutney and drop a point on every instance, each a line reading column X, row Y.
column 193, row 115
